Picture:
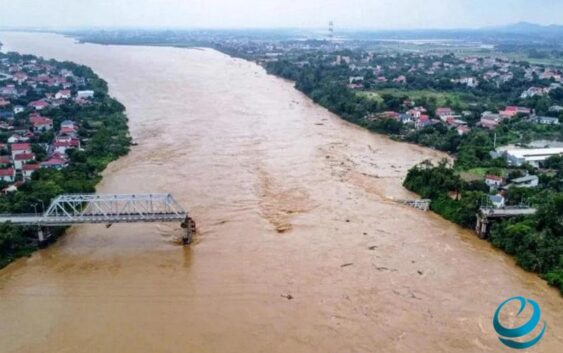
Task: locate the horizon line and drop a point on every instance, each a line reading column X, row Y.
column 262, row 28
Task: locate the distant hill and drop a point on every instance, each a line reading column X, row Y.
column 521, row 32
column 528, row 28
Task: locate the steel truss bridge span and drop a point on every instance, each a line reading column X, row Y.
column 108, row 209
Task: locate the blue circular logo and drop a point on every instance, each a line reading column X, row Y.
column 506, row 334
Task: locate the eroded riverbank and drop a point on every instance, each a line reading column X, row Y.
column 249, row 156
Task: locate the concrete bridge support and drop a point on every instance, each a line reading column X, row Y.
column 482, row 227
column 190, row 227
column 43, row 235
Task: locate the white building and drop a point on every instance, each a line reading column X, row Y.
column 85, row 94
column 494, row 181
column 18, row 109
column 497, row 201
column 528, row 181
column 545, row 120
column 517, row 157
column 469, row 82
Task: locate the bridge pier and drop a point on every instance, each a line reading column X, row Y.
column 482, row 226
column 43, row 235
column 190, row 227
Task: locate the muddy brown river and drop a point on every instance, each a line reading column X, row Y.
column 290, row 201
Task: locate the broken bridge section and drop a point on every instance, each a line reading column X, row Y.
column 487, row 215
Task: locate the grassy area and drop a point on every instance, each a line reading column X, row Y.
column 537, row 61
column 371, row 95
column 441, row 97
column 462, row 49
column 475, row 174
column 511, row 56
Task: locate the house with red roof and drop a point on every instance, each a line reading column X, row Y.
column 423, row 121
column 38, row 105
column 56, row 161
column 400, row 79
column 8, row 175
column 511, row 111
column 67, row 131
column 66, row 141
column 29, row 169
column 41, row 123
column 5, row 161
column 19, row 148
column 494, row 181
column 62, row 145
column 23, row 158
column 20, row 77
column 445, row 113
column 8, row 91
column 416, row 112
column 463, row 130
column 490, row 120
column 68, row 128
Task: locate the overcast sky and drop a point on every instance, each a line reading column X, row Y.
column 377, row 14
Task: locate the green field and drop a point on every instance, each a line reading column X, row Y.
column 462, row 49
column 475, row 174
column 441, row 97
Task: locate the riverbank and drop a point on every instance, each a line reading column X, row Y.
column 60, row 117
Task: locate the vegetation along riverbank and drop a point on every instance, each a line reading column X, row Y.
column 59, row 129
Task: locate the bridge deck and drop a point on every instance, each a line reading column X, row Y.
column 103, row 208
column 64, row 221
column 507, row 212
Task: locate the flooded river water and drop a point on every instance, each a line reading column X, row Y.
column 300, row 247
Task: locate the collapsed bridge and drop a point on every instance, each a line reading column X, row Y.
column 108, row 209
